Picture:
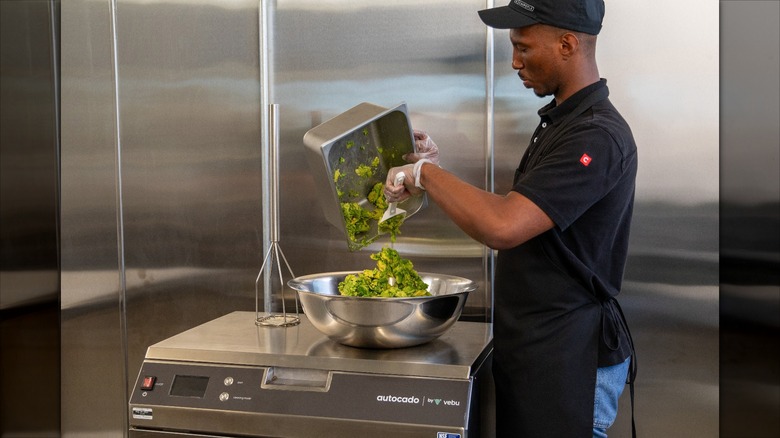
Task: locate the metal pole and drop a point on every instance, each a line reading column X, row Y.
column 274, row 168
column 264, row 20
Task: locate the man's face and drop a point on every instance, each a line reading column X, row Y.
column 535, row 56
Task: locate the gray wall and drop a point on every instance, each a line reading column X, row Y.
column 29, row 144
column 29, row 252
column 750, row 218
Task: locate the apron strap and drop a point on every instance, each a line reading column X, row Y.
column 616, row 311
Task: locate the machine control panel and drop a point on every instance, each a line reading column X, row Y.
column 305, row 392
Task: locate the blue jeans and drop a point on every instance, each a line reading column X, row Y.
column 610, row 382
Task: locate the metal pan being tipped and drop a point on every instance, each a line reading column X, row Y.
column 351, row 153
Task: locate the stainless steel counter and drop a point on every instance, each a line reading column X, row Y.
column 235, row 339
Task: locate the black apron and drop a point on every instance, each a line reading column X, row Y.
column 547, row 329
column 546, row 337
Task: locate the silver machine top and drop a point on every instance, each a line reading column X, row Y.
column 235, row 339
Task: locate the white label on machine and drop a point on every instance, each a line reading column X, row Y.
column 447, row 435
column 142, row 413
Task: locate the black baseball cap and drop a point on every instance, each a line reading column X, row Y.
column 578, row 15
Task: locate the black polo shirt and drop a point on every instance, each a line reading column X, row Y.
column 580, row 168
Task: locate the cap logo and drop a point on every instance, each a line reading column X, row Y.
column 524, row 5
column 585, row 159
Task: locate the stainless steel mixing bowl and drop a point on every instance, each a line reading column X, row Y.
column 382, row 322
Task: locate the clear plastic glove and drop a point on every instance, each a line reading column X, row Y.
column 401, row 192
column 425, row 148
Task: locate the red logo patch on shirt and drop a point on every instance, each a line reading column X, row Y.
column 585, row 159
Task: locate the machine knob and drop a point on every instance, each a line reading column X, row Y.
column 224, row 396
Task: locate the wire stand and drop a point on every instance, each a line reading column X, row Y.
column 283, row 319
column 274, row 250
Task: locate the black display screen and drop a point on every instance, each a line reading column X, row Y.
column 189, row 386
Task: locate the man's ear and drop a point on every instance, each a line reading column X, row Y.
column 569, row 43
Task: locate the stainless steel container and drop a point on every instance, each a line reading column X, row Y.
column 368, row 137
column 382, row 322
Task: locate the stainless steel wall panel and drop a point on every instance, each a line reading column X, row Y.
column 92, row 347
column 330, row 57
column 189, row 104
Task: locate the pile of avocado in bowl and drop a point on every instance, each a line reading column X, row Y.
column 376, row 282
column 362, row 309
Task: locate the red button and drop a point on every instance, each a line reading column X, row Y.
column 148, row 383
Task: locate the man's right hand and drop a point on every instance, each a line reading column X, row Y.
column 425, row 148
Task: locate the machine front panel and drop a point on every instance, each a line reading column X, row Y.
column 298, row 392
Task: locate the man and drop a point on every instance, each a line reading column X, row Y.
column 562, row 350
